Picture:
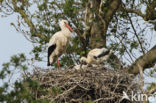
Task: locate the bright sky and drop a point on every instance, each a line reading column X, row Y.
column 11, row 42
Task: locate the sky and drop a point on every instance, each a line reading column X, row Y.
column 12, row 42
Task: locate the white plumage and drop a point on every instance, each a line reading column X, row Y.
column 78, row 67
column 96, row 56
column 59, row 41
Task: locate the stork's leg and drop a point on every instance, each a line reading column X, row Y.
column 58, row 62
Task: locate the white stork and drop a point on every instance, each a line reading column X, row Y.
column 97, row 55
column 58, row 42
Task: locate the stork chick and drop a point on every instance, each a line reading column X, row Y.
column 58, row 42
column 97, row 56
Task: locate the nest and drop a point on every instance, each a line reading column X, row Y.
column 98, row 85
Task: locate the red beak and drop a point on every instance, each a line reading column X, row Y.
column 69, row 27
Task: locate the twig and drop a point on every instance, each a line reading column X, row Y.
column 64, row 93
column 141, row 78
column 135, row 33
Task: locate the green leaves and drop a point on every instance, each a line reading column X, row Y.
column 153, row 71
column 82, row 53
column 33, row 84
column 37, row 50
column 56, row 91
column 5, row 70
column 69, row 9
column 22, row 92
column 16, row 61
column 66, row 61
column 152, row 85
column 134, row 44
column 43, row 6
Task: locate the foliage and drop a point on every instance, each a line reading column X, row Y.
column 16, row 62
column 25, row 91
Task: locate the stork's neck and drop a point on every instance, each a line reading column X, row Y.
column 65, row 29
column 66, row 32
column 85, row 59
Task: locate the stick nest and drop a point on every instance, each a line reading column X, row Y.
column 98, row 85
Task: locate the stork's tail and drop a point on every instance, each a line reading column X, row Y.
column 48, row 64
column 50, row 50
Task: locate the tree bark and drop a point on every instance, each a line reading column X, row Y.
column 146, row 61
column 101, row 21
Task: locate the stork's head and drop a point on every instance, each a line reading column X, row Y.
column 64, row 24
column 83, row 60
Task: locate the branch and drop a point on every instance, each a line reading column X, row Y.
column 135, row 33
column 141, row 79
column 148, row 60
column 138, row 12
column 111, row 11
column 88, row 18
column 27, row 20
column 153, row 90
column 150, row 13
column 115, row 4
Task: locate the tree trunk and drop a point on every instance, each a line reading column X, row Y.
column 102, row 20
column 97, row 35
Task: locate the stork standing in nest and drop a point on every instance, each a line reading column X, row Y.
column 58, row 42
column 96, row 56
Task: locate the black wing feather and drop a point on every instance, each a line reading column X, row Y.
column 100, row 47
column 103, row 54
column 50, row 50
